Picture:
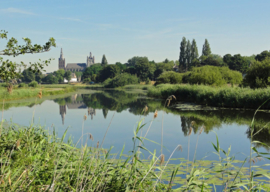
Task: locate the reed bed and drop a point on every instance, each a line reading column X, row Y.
column 227, row 97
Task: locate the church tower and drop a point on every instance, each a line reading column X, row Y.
column 90, row 60
column 61, row 61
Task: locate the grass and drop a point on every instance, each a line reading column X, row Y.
column 22, row 93
column 214, row 96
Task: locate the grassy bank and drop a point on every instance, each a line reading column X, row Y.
column 214, row 96
column 22, row 93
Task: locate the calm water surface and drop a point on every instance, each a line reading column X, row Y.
column 124, row 111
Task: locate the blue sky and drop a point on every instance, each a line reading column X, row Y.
column 123, row 29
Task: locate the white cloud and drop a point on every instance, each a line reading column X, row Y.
column 15, row 10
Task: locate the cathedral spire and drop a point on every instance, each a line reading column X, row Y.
column 61, row 55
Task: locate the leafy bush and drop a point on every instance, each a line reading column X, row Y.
column 258, row 74
column 22, row 85
column 211, row 75
column 170, row 77
column 87, row 80
column 33, row 84
column 121, row 80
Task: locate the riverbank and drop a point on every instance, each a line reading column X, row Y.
column 228, row 97
column 23, row 93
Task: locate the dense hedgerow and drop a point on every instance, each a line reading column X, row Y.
column 121, row 80
column 213, row 96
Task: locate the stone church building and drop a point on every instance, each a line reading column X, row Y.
column 73, row 67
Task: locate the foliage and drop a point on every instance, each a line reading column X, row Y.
column 170, row 77
column 258, row 74
column 162, row 67
column 262, row 56
column 213, row 59
column 33, row 84
column 109, row 71
column 92, row 70
column 104, row 61
column 28, row 75
column 68, row 75
column 211, row 75
column 194, row 51
column 212, row 96
column 236, row 62
column 144, row 69
column 121, row 66
column 50, row 79
column 10, row 70
column 121, row 80
column 206, row 50
column 22, row 85
column 182, row 56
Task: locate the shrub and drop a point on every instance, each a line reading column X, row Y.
column 33, row 84
column 212, row 75
column 86, row 80
column 121, row 80
column 170, row 77
column 22, row 85
column 258, row 74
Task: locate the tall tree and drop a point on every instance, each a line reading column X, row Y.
column 182, row 57
column 206, row 51
column 104, row 61
column 194, row 50
column 188, row 55
column 262, row 56
column 28, row 76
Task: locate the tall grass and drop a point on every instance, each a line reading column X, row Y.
column 22, row 93
column 214, row 96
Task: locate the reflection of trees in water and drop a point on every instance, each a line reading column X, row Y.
column 120, row 100
column 262, row 136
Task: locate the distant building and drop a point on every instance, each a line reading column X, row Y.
column 73, row 67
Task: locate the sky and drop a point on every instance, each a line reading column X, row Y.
column 123, row 29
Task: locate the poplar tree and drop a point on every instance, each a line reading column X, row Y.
column 182, row 57
column 206, row 51
column 194, row 50
column 188, row 55
column 104, row 60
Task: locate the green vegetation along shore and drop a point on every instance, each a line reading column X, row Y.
column 34, row 160
column 22, row 93
column 227, row 97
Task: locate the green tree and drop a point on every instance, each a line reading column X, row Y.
column 258, row 74
column 104, row 61
column 50, row 79
column 188, row 55
column 67, row 75
column 166, row 61
column 162, row 67
column 194, row 50
column 262, row 56
column 90, row 71
column 206, row 50
column 11, row 70
column 182, row 57
column 143, row 68
column 236, row 62
column 121, row 66
column 214, row 60
column 28, row 75
column 109, row 71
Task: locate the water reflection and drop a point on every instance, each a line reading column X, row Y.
column 120, row 101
